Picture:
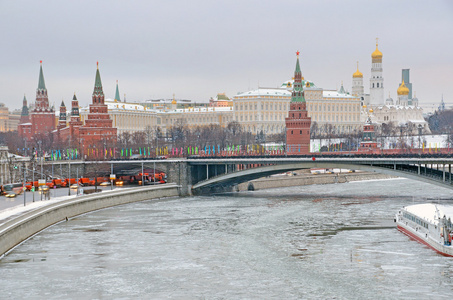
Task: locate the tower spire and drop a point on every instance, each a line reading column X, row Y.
column 297, row 94
column 117, row 93
column 97, row 83
column 41, row 83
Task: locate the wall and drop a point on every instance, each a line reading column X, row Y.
column 17, row 230
column 286, row 181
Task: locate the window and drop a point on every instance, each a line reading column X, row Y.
column 373, row 84
column 377, row 84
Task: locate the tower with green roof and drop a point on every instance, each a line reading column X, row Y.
column 24, row 115
column 98, row 130
column 42, row 117
column 298, row 122
column 117, row 93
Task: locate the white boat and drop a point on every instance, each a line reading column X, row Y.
column 429, row 224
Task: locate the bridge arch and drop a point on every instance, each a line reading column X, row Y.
column 241, row 176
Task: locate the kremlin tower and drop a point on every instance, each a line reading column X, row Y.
column 98, row 128
column 376, row 80
column 24, row 127
column 42, row 116
column 62, row 118
column 298, row 122
column 74, row 122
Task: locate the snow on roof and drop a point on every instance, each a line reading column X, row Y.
column 430, row 211
column 197, row 110
column 266, row 92
column 335, row 94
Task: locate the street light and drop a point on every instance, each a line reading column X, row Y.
column 419, row 137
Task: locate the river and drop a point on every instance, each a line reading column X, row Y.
column 334, row 241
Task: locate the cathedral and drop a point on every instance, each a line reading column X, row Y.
column 402, row 112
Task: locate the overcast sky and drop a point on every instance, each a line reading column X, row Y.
column 196, row 48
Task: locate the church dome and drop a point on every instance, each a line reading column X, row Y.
column 357, row 74
column 403, row 90
column 376, row 54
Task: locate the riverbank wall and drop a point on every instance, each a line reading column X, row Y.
column 18, row 229
column 305, row 178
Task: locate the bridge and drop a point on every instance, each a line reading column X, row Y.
column 205, row 175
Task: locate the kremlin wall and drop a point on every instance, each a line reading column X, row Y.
column 294, row 107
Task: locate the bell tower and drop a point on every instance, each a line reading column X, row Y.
column 376, row 80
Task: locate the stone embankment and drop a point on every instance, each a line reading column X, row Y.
column 14, row 231
column 306, row 178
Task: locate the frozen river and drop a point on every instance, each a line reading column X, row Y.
column 311, row 242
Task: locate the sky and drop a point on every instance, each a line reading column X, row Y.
column 196, row 49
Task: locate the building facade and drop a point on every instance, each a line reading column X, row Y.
column 263, row 110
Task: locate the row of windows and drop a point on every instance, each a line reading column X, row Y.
column 272, row 106
column 328, row 118
column 415, row 220
column 377, row 85
column 333, row 107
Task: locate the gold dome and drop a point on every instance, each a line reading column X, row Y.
column 357, row 74
column 403, row 90
column 376, row 54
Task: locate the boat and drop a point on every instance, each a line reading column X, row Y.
column 429, row 224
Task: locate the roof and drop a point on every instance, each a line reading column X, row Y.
column 265, row 92
column 431, row 211
column 197, row 110
column 335, row 94
column 41, row 83
column 98, row 84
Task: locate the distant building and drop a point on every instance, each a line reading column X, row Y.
column 263, row 110
column 221, row 100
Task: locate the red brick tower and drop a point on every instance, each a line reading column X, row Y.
column 298, row 122
column 24, row 127
column 42, row 116
column 97, row 131
column 62, row 118
column 75, row 123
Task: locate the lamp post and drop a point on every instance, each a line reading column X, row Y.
column 419, row 137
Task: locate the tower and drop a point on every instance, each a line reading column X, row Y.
column 24, row 115
column 357, row 83
column 298, row 122
column 117, row 93
column 62, row 118
column 405, row 76
column 97, row 131
column 376, row 80
column 74, row 122
column 43, row 116
column 24, row 128
column 403, row 94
